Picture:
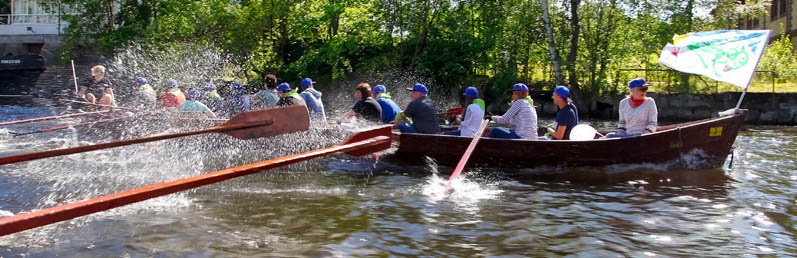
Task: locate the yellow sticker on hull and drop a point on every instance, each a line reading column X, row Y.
column 715, row 131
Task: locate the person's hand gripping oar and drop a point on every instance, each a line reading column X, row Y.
column 247, row 125
column 466, row 155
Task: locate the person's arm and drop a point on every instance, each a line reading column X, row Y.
column 653, row 117
column 559, row 133
column 408, row 112
column 350, row 114
column 82, row 92
column 513, row 110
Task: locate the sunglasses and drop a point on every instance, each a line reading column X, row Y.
column 643, row 88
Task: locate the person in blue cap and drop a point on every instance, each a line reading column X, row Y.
column 145, row 96
column 638, row 113
column 173, row 96
column 389, row 108
column 268, row 97
column 211, row 97
column 288, row 96
column 192, row 105
column 566, row 117
column 521, row 115
column 239, row 101
column 421, row 110
column 472, row 114
column 365, row 107
column 312, row 99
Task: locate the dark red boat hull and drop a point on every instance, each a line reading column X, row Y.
column 694, row 145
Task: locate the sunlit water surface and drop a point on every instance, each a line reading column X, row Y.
column 344, row 206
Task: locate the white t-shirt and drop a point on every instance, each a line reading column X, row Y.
column 473, row 119
column 636, row 120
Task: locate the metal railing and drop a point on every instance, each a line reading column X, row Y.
column 45, row 18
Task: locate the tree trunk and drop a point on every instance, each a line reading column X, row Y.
column 424, row 30
column 571, row 57
column 556, row 60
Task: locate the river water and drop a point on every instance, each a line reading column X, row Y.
column 345, row 206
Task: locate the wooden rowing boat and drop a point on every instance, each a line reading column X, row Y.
column 693, row 145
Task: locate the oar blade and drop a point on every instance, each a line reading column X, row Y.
column 289, row 119
column 368, row 134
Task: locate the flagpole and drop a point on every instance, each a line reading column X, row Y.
column 738, row 104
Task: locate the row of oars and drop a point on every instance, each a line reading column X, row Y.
column 247, row 125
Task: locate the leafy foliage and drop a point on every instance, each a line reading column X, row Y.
column 453, row 43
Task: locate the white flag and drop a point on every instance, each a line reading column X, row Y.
column 725, row 55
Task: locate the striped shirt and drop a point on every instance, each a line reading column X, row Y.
column 523, row 117
column 636, row 120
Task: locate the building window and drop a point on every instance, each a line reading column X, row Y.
column 784, row 6
column 749, row 24
column 755, row 23
column 773, row 13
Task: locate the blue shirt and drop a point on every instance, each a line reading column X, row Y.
column 239, row 103
column 193, row 106
column 389, row 109
column 312, row 99
column 567, row 116
column 268, row 98
column 424, row 117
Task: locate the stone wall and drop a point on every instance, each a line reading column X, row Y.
column 765, row 108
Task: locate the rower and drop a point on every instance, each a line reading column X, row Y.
column 521, row 115
column 193, row 106
column 173, row 96
column 145, row 96
column 389, row 108
column 566, row 117
column 473, row 115
column 211, row 97
column 312, row 98
column 239, row 101
column 287, row 96
column 366, row 107
column 421, row 110
column 267, row 97
column 97, row 89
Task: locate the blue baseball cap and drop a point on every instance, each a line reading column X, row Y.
column 209, row 86
column 562, row 91
column 419, row 88
column 141, row 81
column 171, row 83
column 193, row 93
column 638, row 82
column 307, row 82
column 471, row 92
column 520, row 87
column 237, row 86
column 283, row 87
column 379, row 89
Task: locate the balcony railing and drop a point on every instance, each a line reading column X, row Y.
column 8, row 19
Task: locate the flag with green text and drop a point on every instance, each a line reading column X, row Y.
column 725, row 55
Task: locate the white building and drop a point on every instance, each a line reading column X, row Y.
column 33, row 26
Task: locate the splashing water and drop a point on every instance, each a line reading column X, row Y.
column 464, row 191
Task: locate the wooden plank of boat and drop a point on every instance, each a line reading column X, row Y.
column 710, row 139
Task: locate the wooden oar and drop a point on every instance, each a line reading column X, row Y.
column 99, row 105
column 361, row 143
column 247, row 125
column 61, row 127
column 50, row 118
column 468, row 151
column 74, row 77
